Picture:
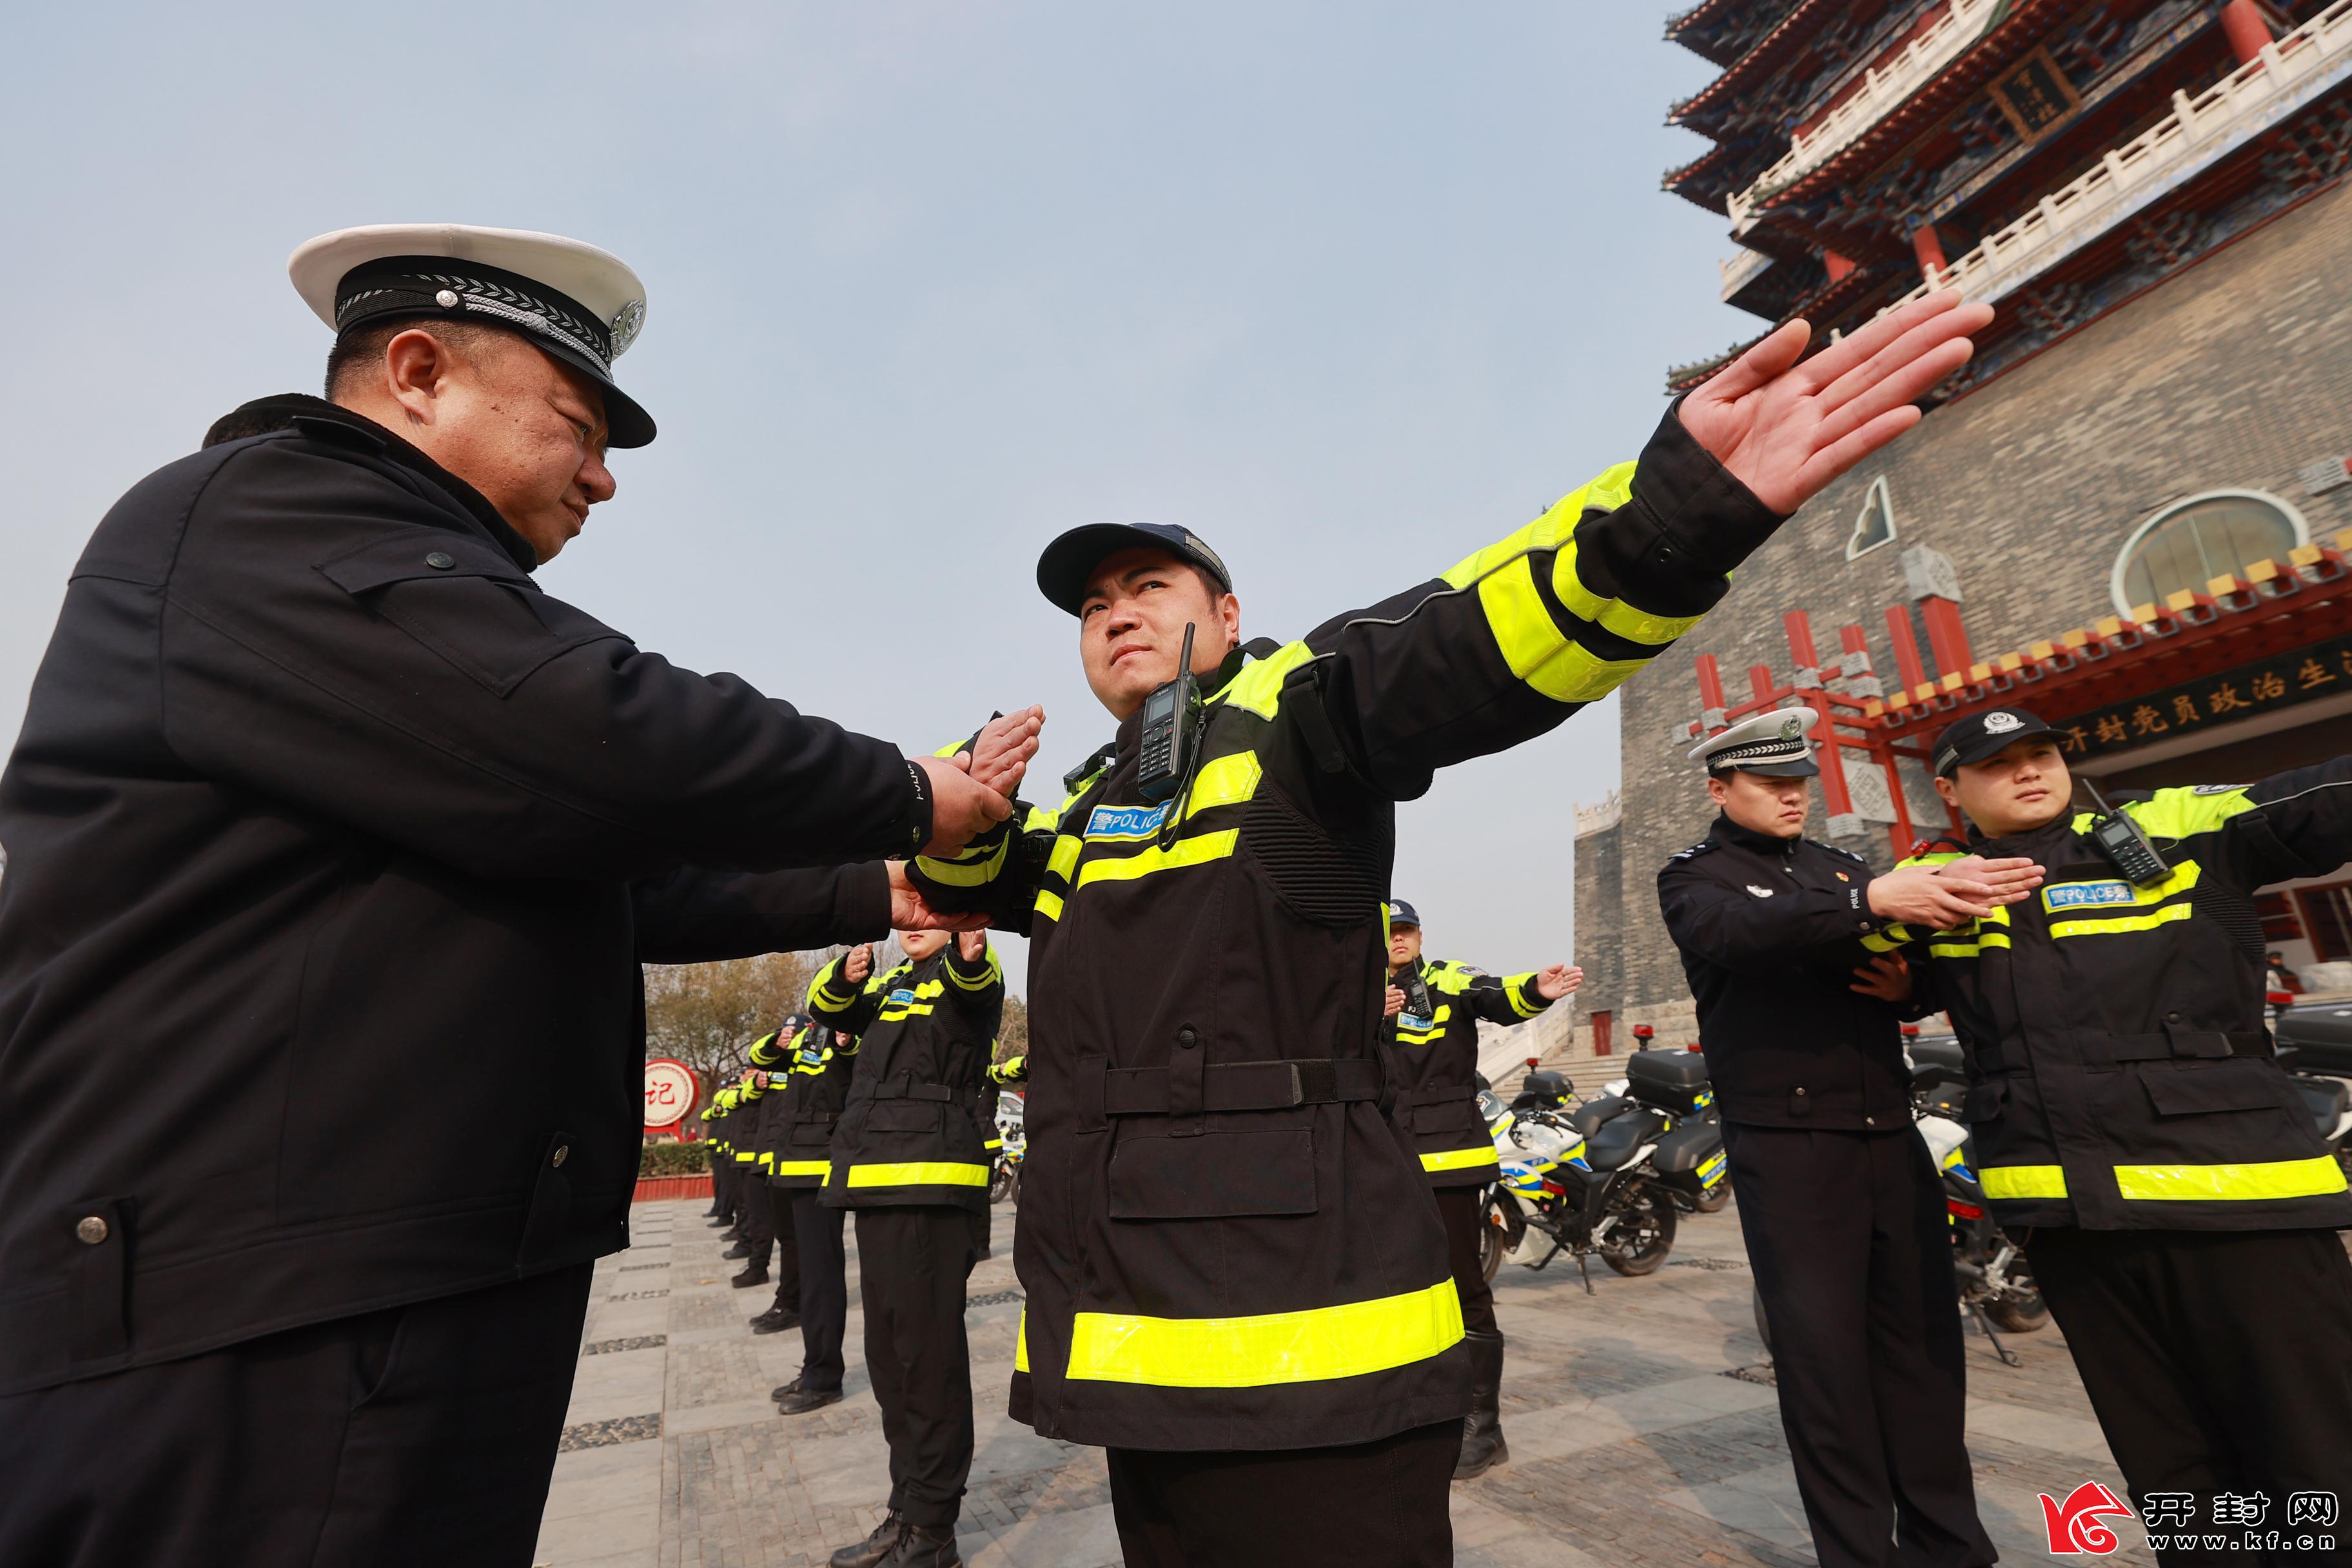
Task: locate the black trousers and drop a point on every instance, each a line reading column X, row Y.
column 2217, row 1361
column 1853, row 1254
column 419, row 1434
column 1383, row 1504
column 822, row 1280
column 726, row 1186
column 911, row 1265
column 778, row 1202
column 1459, row 1209
column 757, row 1226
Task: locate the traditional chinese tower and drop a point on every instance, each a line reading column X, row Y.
column 2050, row 157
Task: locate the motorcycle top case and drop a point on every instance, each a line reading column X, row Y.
column 1690, row 1158
column 1674, row 1081
column 1545, row 1085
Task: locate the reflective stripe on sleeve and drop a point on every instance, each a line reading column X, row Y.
column 1309, row 1346
column 974, row 868
column 2024, row 1181
column 920, row 1174
column 1050, row 905
column 1535, row 646
column 1458, row 1159
column 2318, row 1176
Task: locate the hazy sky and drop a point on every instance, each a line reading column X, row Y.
column 1348, row 289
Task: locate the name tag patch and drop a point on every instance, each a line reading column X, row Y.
column 2086, row 895
column 1413, row 1021
column 902, row 994
column 1126, row 821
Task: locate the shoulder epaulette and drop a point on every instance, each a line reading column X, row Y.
column 1701, row 847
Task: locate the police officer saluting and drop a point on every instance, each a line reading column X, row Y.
column 2125, row 1105
column 1434, row 1006
column 1800, row 1011
column 321, row 807
column 1237, row 1280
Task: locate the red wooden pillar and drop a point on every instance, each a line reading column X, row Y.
column 1946, row 636
column 1760, row 681
column 1837, row 266
column 2242, row 25
column 1928, row 247
column 1710, row 684
column 1906, row 650
column 1835, row 799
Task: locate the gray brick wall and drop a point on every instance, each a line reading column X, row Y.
column 2233, row 374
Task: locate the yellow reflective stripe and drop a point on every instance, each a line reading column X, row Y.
column 963, row 870
column 1937, row 857
column 1258, row 688
column 1458, row 1159
column 1021, row 1345
column 1895, row 936
column 1224, row 781
column 982, row 982
column 1967, row 949
column 802, row 1167
column 2177, row 813
column 744, row 1158
column 1515, row 988
column 1613, row 489
column 2318, row 1176
column 993, row 1143
column 1309, row 1346
column 920, row 1174
column 1195, row 851
column 1064, row 858
column 1050, row 905
column 2113, row 924
column 2023, row 1181
column 1615, row 614
column 1536, row 648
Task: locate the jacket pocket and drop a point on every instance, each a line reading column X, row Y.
column 2194, row 1089
column 816, row 1133
column 1215, row 1176
column 903, row 1116
column 1984, row 1102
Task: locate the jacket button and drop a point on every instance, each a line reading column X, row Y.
column 440, row 561
column 92, row 1229
column 563, row 1152
column 1866, row 1121
column 2172, row 1017
column 1800, row 1093
column 1186, row 1037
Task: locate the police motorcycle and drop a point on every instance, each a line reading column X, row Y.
column 1561, row 1189
column 1995, row 1280
column 1675, row 1085
column 1013, row 1127
column 2314, row 1046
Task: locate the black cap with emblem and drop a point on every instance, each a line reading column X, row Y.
column 1981, row 735
column 1772, row 745
column 574, row 303
column 1403, row 914
column 1069, row 561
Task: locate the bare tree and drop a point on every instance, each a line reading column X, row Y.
column 1012, row 1034
column 708, row 1015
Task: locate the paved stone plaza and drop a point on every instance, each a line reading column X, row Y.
column 1642, row 1424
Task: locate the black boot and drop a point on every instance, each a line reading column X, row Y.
column 775, row 1320
column 799, row 1401
column 1482, row 1430
column 754, row 1273
column 741, row 1249
column 925, row 1546
column 871, row 1551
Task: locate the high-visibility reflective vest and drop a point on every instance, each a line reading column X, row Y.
column 816, row 1085
column 1433, row 1052
column 1224, row 1243
column 2120, row 1074
column 911, row 1127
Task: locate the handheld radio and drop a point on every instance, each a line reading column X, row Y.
column 2125, row 844
column 1168, row 742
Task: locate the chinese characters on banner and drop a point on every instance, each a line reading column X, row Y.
column 2304, row 675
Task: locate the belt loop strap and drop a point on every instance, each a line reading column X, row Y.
column 1187, row 1084
column 98, row 1278
column 1094, row 1074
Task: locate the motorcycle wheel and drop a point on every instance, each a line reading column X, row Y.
column 1646, row 1214
column 1491, row 1246
column 1715, row 1199
column 1003, row 1184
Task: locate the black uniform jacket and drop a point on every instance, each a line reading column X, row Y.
column 815, row 1087
column 1434, row 1057
column 913, row 1130
column 1224, row 1242
column 2121, row 1077
column 341, row 839
column 1770, row 931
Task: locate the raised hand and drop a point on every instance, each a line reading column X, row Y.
column 1786, row 429
column 1000, row 754
column 1558, row 980
column 2004, row 881
column 1886, row 977
column 1951, row 895
column 860, row 961
column 970, row 944
column 962, row 808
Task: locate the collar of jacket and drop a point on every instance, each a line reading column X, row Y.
column 1727, row 831
column 2036, row 843
column 288, row 409
column 1130, row 739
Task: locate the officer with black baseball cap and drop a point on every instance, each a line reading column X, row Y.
column 1800, row 1007
column 321, row 797
column 2128, row 1118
